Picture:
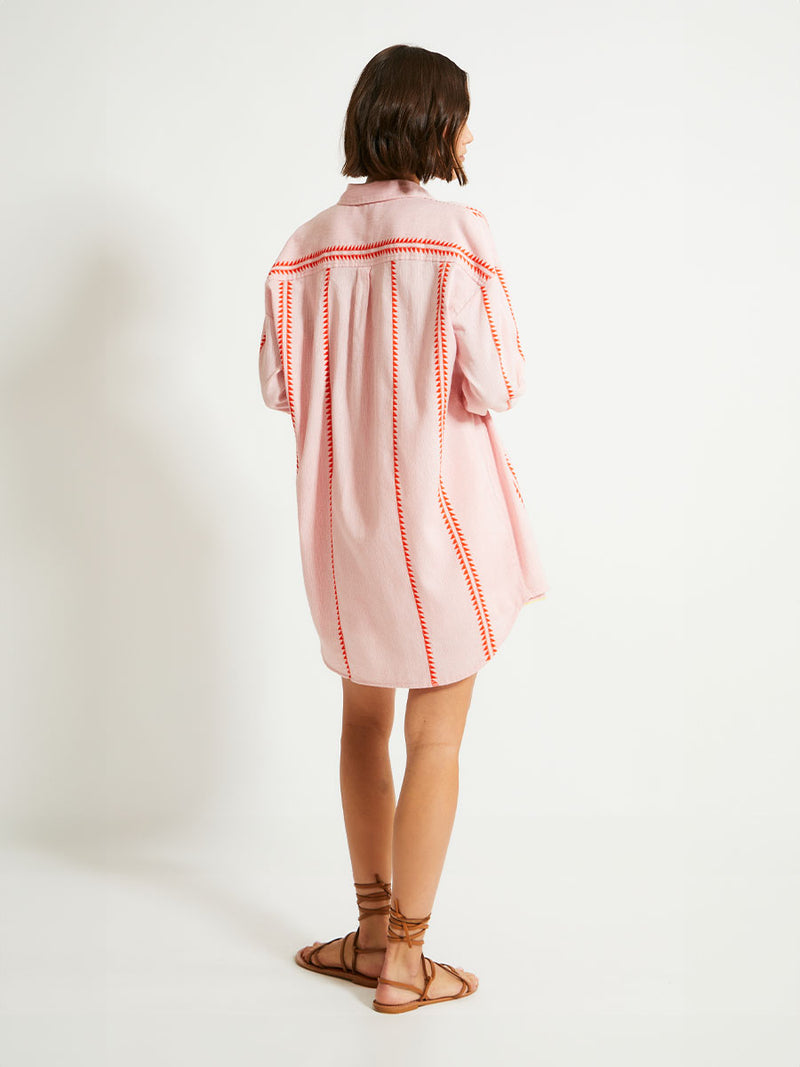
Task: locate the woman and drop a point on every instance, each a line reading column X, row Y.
column 389, row 338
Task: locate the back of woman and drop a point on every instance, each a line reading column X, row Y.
column 389, row 339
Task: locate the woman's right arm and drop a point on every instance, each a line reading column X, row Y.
column 488, row 349
column 270, row 363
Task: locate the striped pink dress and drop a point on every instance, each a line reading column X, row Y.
column 389, row 339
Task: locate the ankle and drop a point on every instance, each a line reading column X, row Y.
column 373, row 929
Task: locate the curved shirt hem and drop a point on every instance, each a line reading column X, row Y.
column 459, row 676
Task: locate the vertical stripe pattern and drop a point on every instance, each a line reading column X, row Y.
column 496, row 339
column 287, row 363
column 502, row 281
column 329, row 431
column 283, row 331
column 514, row 476
column 371, row 315
column 398, row 494
column 457, row 537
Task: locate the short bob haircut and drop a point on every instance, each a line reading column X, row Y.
column 405, row 114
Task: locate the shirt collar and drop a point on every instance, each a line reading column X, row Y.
column 391, row 189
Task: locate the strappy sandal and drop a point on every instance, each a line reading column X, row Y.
column 350, row 974
column 400, row 930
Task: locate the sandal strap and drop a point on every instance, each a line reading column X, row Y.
column 455, row 974
column 380, row 891
column 349, row 970
column 429, row 972
column 401, row 928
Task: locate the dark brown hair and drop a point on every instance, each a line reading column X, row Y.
column 404, row 117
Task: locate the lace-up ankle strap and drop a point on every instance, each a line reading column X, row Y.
column 382, row 892
column 401, row 928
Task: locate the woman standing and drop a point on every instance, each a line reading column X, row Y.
column 389, row 338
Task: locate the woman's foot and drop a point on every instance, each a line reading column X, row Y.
column 444, row 983
column 371, row 934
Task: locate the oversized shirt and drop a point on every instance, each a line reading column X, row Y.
column 389, row 339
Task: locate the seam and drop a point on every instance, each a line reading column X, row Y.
column 385, row 248
column 479, row 286
column 381, row 199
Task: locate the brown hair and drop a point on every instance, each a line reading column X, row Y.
column 404, row 117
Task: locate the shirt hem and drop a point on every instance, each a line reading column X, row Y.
column 458, row 676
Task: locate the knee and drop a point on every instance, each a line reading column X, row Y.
column 366, row 731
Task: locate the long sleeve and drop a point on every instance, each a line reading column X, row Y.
column 488, row 349
column 270, row 368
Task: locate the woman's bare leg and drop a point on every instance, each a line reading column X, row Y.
column 423, row 822
column 368, row 803
column 413, row 838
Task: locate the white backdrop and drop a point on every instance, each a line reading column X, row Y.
column 625, row 865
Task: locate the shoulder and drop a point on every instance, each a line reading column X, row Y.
column 467, row 228
column 475, row 211
column 466, row 214
column 308, row 234
column 471, row 228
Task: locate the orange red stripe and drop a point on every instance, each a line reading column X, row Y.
column 388, row 246
column 514, row 476
column 283, row 330
column 457, row 537
column 287, row 365
column 397, row 491
column 329, row 431
column 502, row 281
column 496, row 339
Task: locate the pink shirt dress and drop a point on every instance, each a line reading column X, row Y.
column 389, row 339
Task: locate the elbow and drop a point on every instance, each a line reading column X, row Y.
column 274, row 394
column 515, row 390
column 484, row 403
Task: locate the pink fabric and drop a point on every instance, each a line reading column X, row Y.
column 389, row 339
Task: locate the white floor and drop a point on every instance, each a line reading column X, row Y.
column 618, row 941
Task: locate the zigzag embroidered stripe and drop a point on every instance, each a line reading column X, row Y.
column 329, row 427
column 496, row 339
column 350, row 253
column 398, row 495
column 448, row 513
column 502, row 281
column 287, row 365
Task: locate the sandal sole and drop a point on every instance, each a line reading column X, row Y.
column 412, row 1005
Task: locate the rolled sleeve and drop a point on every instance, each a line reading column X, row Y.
column 488, row 351
column 270, row 368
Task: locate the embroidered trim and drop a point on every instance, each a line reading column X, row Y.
column 398, row 494
column 502, row 281
column 448, row 513
column 496, row 339
column 475, row 211
column 514, row 476
column 329, row 429
column 415, row 245
column 288, row 368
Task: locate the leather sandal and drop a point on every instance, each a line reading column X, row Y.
column 400, row 929
column 383, row 892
